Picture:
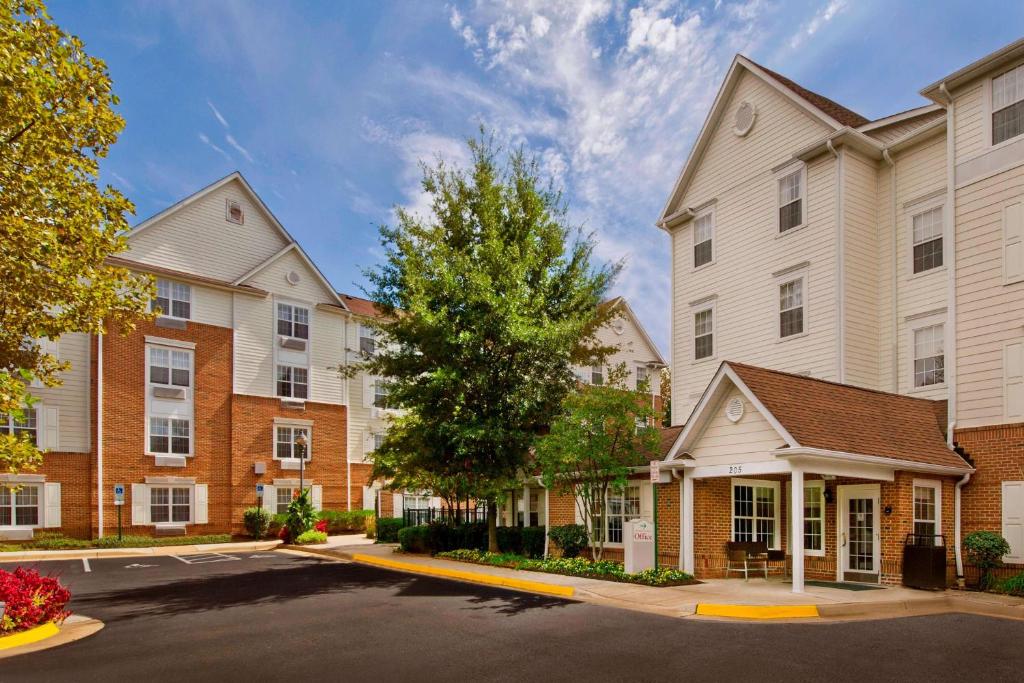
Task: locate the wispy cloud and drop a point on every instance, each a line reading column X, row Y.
column 125, row 184
column 216, row 112
column 820, row 18
column 241, row 150
column 209, row 143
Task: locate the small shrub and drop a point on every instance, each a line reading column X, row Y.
column 572, row 539
column 415, row 539
column 510, row 539
column 151, row 541
column 371, row 527
column 533, row 541
column 31, row 600
column 985, row 550
column 49, row 540
column 309, row 537
column 1013, row 585
column 257, row 522
column 346, row 521
column 387, row 529
column 301, row 515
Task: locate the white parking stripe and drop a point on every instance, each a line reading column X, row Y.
column 206, row 558
column 85, row 564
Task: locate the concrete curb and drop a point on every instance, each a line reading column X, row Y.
column 75, row 628
column 757, row 611
column 153, row 551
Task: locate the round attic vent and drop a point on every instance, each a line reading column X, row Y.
column 293, row 277
column 745, row 116
column 618, row 327
column 734, row 409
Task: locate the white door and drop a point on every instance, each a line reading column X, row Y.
column 859, row 537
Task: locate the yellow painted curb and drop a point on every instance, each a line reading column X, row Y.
column 33, row 635
column 507, row 582
column 758, row 611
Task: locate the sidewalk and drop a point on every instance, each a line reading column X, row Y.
column 100, row 553
column 773, row 596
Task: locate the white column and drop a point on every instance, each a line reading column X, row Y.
column 796, row 532
column 686, row 523
column 526, row 505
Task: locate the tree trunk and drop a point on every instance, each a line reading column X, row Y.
column 492, row 526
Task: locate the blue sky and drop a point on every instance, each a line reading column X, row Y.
column 327, row 107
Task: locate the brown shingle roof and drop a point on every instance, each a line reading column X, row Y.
column 839, row 417
column 845, row 116
column 360, row 306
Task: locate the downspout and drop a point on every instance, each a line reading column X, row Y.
column 348, row 410
column 840, row 269
column 99, row 433
column 547, row 518
column 894, row 332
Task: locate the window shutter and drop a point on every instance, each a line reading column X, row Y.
column 1013, row 242
column 576, row 510
column 367, row 446
column 49, row 430
column 51, row 494
column 1013, row 378
column 201, row 509
column 1013, row 519
column 369, row 498
column 646, row 500
column 140, row 505
column 398, row 509
column 367, row 391
column 317, row 496
column 270, row 498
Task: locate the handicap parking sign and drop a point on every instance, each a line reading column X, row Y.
column 259, row 490
column 118, row 494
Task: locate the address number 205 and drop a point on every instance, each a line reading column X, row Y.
column 735, row 469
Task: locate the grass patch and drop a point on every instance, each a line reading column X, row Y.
column 55, row 541
column 1012, row 586
column 606, row 570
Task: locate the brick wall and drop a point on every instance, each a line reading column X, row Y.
column 72, row 471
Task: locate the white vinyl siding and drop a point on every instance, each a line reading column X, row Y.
column 862, row 264
column 1013, row 243
column 70, row 402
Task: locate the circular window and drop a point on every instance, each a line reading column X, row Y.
column 734, row 409
column 745, row 116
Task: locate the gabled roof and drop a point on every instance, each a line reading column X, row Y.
column 843, row 115
column 360, row 306
column 623, row 305
column 130, row 264
column 989, row 62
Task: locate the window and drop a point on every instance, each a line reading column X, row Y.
column 284, row 497
column 19, row 506
column 416, row 501
column 170, row 367
column 293, row 321
column 292, row 382
column 285, row 442
column 791, row 200
column 1008, row 105
column 703, row 235
column 703, row 334
column 927, row 505
column 380, row 393
column 26, row 425
column 928, row 356
column 928, row 240
column 170, row 435
column 791, row 308
column 814, row 517
column 170, row 504
column 642, row 378
column 596, row 374
column 755, row 512
column 174, row 299
column 620, row 507
column 378, row 440
column 367, row 340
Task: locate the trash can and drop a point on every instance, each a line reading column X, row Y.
column 924, row 561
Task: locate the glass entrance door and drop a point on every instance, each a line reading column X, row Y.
column 859, row 534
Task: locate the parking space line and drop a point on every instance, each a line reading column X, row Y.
column 85, row 564
column 206, row 558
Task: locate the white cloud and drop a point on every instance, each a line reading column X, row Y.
column 820, row 18
column 125, row 184
column 216, row 112
column 539, row 26
column 241, row 150
column 206, row 141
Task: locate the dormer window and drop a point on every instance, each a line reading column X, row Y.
column 1008, row 105
column 174, row 299
column 235, row 213
column 293, row 321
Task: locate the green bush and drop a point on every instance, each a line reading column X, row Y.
column 415, row 539
column 150, row 541
column 346, row 521
column 571, row 538
column 49, row 540
column 301, row 516
column 533, row 541
column 256, row 521
column 387, row 529
column 510, row 539
column 985, row 550
column 309, row 537
column 1013, row 585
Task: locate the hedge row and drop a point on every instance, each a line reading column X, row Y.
column 439, row 537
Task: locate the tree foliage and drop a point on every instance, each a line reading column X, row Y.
column 57, row 226
column 601, row 433
column 487, row 303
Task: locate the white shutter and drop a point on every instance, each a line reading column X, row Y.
column 367, row 391
column 51, row 495
column 646, row 501
column 576, row 510
column 367, row 446
column 48, row 429
column 369, row 498
column 1013, row 519
column 1013, row 381
column 140, row 505
column 270, row 498
column 398, row 509
column 317, row 496
column 1013, row 242
column 202, row 504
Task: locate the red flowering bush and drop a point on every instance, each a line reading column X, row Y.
column 284, row 534
column 321, row 526
column 31, row 600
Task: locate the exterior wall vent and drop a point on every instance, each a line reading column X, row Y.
column 745, row 115
column 293, row 277
column 734, row 409
column 618, row 327
column 235, row 214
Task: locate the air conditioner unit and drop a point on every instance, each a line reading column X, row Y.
column 293, row 343
column 169, row 392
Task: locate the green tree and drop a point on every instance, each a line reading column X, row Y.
column 601, row 433
column 488, row 302
column 57, row 226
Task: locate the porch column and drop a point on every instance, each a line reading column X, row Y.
column 686, row 523
column 526, row 504
column 796, row 533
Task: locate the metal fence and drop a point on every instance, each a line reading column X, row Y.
column 422, row 516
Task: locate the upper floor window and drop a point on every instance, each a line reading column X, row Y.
column 703, row 236
column 929, row 358
column 170, row 435
column 380, row 393
column 174, row 299
column 642, row 377
column 292, row 382
column 791, row 308
column 1008, row 105
column 928, row 240
column 703, row 334
column 596, row 374
column 26, row 425
column 367, row 340
column 287, row 444
column 378, row 440
column 170, row 367
column 791, row 200
column 293, row 321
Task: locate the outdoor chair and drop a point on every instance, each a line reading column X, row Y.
column 745, row 557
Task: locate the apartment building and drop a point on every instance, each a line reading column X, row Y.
column 847, row 306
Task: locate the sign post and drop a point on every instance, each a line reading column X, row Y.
column 655, row 478
column 119, row 503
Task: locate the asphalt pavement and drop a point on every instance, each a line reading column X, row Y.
column 273, row 616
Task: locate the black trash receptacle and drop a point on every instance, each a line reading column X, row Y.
column 924, row 561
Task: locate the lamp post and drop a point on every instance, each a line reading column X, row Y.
column 300, row 445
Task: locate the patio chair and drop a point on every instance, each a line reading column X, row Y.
column 746, row 557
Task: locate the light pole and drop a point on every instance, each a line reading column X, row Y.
column 300, row 445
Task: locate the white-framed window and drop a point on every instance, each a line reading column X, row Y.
column 620, row 507
column 927, row 236
column 643, row 378
column 1008, row 105
column 755, row 511
column 597, row 374
column 285, row 442
column 929, row 357
column 170, row 435
column 791, row 307
column 814, row 517
column 284, row 495
column 233, row 212
column 170, row 504
column 170, row 367
column 378, row 440
column 703, row 239
column 174, row 299
column 791, row 191
column 380, row 393
column 367, row 340
column 927, row 509
column 704, row 334
column 292, row 382
column 27, row 424
column 416, row 501
column 19, row 505
column 293, row 321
